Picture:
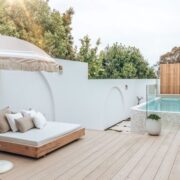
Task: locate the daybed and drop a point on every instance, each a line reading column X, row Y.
column 38, row 142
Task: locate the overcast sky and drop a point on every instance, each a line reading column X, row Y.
column 151, row 25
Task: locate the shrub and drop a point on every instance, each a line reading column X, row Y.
column 154, row 117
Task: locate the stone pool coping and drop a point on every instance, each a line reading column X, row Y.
column 138, row 117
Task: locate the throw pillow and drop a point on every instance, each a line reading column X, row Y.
column 24, row 124
column 11, row 120
column 4, row 126
column 39, row 120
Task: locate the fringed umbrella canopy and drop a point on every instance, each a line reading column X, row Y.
column 16, row 54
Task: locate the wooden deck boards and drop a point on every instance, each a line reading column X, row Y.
column 105, row 155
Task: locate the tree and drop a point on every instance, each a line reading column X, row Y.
column 36, row 22
column 90, row 55
column 128, row 71
column 119, row 61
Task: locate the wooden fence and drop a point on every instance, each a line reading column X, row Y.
column 170, row 78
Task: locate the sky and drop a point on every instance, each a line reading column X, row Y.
column 153, row 26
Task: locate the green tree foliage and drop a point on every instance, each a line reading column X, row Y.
column 128, row 71
column 34, row 21
column 119, row 61
column 89, row 54
column 114, row 62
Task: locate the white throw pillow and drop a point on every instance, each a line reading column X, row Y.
column 28, row 113
column 11, row 120
column 39, row 120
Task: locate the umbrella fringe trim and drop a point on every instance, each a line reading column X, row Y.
column 29, row 65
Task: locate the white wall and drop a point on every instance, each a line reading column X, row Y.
column 70, row 96
column 110, row 102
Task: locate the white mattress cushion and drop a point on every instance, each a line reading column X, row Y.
column 38, row 137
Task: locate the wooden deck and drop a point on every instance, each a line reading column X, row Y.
column 105, row 155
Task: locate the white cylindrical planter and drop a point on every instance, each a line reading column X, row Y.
column 153, row 127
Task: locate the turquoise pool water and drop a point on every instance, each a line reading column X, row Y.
column 163, row 104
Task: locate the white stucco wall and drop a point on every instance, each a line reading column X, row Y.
column 70, row 96
column 110, row 101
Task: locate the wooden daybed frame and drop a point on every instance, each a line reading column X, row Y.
column 40, row 151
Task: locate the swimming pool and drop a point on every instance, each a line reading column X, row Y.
column 167, row 108
column 163, row 105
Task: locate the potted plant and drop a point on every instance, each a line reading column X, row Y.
column 153, row 125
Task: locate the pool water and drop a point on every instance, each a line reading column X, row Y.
column 163, row 104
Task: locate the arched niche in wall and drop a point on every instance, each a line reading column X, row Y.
column 23, row 90
column 114, row 108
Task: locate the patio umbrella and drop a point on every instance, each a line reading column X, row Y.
column 16, row 54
